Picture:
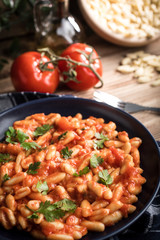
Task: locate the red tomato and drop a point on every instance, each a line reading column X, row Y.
column 86, row 78
column 27, row 76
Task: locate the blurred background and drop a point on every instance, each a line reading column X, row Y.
column 17, row 25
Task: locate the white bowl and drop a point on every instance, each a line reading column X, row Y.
column 109, row 35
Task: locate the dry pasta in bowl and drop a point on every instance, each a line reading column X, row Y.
column 123, row 22
column 63, row 176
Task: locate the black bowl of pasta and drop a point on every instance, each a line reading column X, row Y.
column 106, row 162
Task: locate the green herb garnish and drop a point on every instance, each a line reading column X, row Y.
column 105, row 178
column 33, row 167
column 5, row 157
column 54, row 211
column 5, row 177
column 42, row 187
column 62, row 135
column 98, row 144
column 42, row 130
column 66, row 153
column 29, row 145
column 21, row 136
column 15, row 136
column 66, row 205
column 96, row 161
column 34, row 215
column 11, row 135
column 82, row 172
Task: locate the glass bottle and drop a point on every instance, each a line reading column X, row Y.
column 55, row 26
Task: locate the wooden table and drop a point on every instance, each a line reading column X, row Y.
column 122, row 86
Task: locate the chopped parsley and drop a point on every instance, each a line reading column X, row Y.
column 33, row 167
column 96, row 161
column 34, row 215
column 42, row 130
column 99, row 142
column 42, row 187
column 82, row 172
column 29, row 145
column 104, row 177
column 15, row 136
column 5, row 157
column 21, row 136
column 54, row 211
column 11, row 135
column 62, row 136
column 5, row 177
column 66, row 153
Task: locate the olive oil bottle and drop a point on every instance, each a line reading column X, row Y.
column 55, row 27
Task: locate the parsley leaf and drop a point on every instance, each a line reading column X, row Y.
column 105, row 178
column 11, row 135
column 96, row 161
column 33, row 168
column 66, row 153
column 42, row 209
column 52, row 215
column 29, row 145
column 5, row 157
column 34, row 215
column 82, row 172
column 14, row 136
column 54, row 211
column 100, row 142
column 42, row 130
column 42, row 187
column 6, row 177
column 101, row 136
column 21, row 136
column 62, row 135
column 66, row 205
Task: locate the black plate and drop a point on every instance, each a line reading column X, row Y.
column 150, row 156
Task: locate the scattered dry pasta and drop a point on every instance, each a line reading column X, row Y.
column 62, row 176
column 144, row 66
column 131, row 19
